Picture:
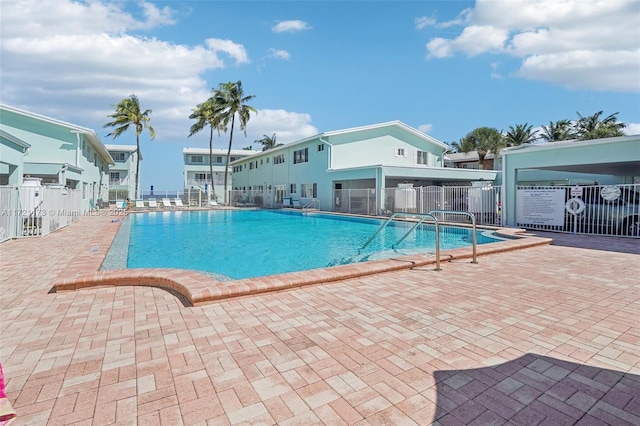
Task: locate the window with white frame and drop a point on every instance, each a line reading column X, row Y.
column 197, row 159
column 400, row 152
column 307, row 190
column 217, row 160
column 292, row 188
column 425, row 158
column 320, row 147
column 278, row 159
column 114, row 178
column 118, row 156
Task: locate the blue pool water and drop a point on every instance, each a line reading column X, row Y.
column 236, row 244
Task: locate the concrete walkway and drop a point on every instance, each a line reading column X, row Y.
column 543, row 335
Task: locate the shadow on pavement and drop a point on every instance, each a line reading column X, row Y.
column 536, row 389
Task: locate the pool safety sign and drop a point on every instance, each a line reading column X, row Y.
column 540, row 206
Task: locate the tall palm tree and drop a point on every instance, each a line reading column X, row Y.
column 208, row 113
column 232, row 101
column 591, row 127
column 484, row 140
column 520, row 134
column 128, row 112
column 559, row 131
column 268, row 142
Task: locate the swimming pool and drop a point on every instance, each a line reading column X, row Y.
column 236, row 244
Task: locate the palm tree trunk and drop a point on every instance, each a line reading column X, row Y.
column 211, row 191
column 137, row 165
column 226, row 166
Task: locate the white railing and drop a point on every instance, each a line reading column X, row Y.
column 595, row 209
column 29, row 211
column 483, row 202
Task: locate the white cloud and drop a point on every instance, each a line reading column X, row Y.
column 632, row 129
column 567, row 42
column 234, row 50
column 73, row 61
column 423, row 22
column 288, row 126
column 425, row 128
column 279, row 54
column 290, row 26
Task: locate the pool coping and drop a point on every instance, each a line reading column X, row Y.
column 194, row 288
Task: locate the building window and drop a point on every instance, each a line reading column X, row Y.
column 308, row 190
column 202, row 177
column 217, row 160
column 197, row 159
column 114, row 178
column 253, row 165
column 118, row 156
column 237, row 169
column 301, row 156
column 321, row 147
column 292, row 188
column 278, row 159
column 423, row 157
column 267, row 160
column 401, row 152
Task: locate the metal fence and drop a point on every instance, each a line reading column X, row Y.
column 595, row 209
column 33, row 211
column 483, row 202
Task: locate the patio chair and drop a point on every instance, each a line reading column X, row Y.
column 139, row 204
column 167, row 203
column 296, row 204
column 153, row 203
column 178, row 202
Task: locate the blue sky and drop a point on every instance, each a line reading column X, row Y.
column 445, row 67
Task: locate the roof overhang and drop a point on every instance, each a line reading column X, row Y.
column 618, row 156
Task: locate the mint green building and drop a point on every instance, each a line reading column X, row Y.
column 122, row 174
column 197, row 173
column 374, row 157
column 57, row 152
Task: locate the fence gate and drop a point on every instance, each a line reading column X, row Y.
column 595, row 209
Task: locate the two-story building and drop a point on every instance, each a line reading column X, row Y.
column 375, row 157
column 60, row 153
column 197, row 170
column 123, row 174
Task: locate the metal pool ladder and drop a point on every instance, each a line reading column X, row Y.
column 423, row 217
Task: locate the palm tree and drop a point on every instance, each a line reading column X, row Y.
column 558, row 131
column 128, row 112
column 591, row 127
column 231, row 100
column 522, row 133
column 208, row 113
column 483, row 140
column 268, row 142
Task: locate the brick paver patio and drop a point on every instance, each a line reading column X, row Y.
column 543, row 335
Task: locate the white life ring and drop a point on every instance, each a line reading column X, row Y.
column 575, row 206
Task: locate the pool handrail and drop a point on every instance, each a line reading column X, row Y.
column 473, row 222
column 310, row 205
column 423, row 216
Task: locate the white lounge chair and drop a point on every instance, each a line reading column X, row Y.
column 296, row 204
column 178, row 202
column 139, row 204
column 166, row 202
column 213, row 203
column 153, row 203
column 120, row 204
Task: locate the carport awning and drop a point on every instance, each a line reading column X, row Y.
column 612, row 156
column 52, row 169
column 449, row 174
